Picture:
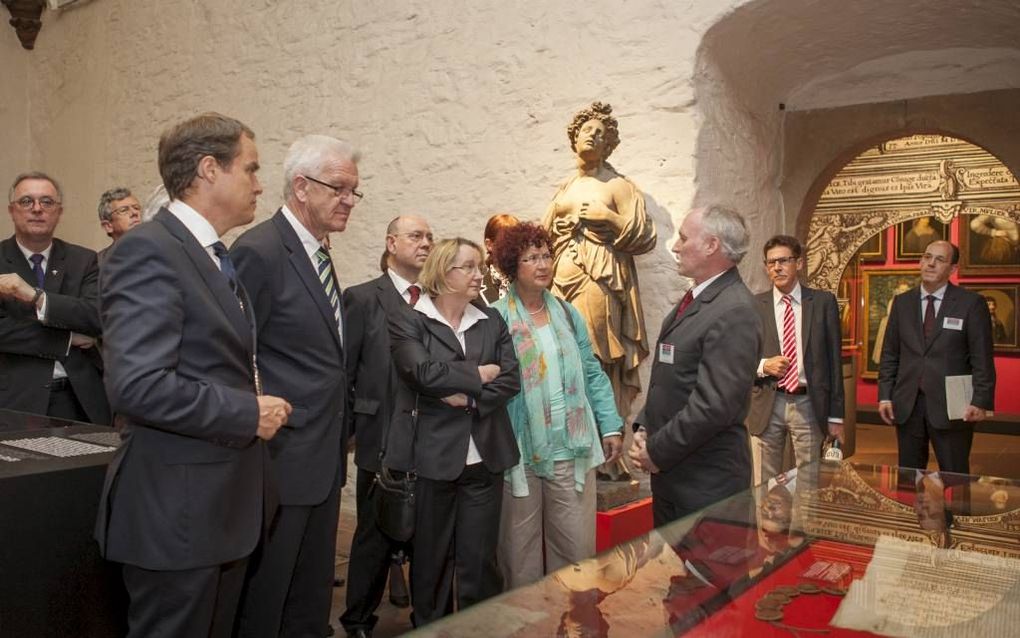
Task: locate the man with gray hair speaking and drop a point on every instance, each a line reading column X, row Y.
column 285, row 265
column 690, row 434
column 119, row 212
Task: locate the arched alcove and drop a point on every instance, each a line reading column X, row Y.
column 896, row 180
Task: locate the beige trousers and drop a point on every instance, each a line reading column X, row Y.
column 553, row 510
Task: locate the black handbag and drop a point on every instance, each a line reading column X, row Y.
column 393, row 492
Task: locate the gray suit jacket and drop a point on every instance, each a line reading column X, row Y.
column 374, row 380
column 186, row 488
column 300, row 359
column 822, row 343
column 907, row 357
column 696, row 405
column 28, row 348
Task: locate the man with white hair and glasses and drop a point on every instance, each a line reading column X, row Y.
column 119, row 212
column 284, row 264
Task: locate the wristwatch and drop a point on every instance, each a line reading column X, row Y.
column 38, row 293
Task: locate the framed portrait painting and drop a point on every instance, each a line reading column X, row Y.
column 1002, row 301
column 989, row 245
column 914, row 235
column 879, row 288
column 873, row 250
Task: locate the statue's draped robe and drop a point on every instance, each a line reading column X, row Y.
column 598, row 276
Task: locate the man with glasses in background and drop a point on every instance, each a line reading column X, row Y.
column 49, row 316
column 285, row 266
column 119, row 212
column 798, row 390
column 374, row 384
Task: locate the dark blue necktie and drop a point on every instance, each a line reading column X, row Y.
column 40, row 274
column 226, row 265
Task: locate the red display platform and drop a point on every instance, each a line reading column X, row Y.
column 622, row 524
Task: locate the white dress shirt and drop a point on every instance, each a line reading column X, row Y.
column 402, row 285
column 40, row 312
column 472, row 315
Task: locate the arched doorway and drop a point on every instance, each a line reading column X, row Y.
column 872, row 219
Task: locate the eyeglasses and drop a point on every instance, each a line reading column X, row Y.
column 27, row 203
column 535, row 259
column 416, row 237
column 134, row 210
column 468, row 269
column 338, row 191
column 779, row 261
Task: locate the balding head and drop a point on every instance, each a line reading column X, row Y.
column 408, row 242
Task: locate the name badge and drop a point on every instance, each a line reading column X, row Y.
column 952, row 323
column 666, row 353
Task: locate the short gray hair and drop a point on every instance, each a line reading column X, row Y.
column 731, row 229
column 308, row 155
column 34, row 175
column 110, row 196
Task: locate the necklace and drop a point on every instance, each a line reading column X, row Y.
column 535, row 312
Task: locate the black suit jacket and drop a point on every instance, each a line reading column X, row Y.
column 370, row 368
column 429, row 361
column 696, row 405
column 907, row 357
column 300, row 359
column 28, row 348
column 821, row 339
column 186, row 488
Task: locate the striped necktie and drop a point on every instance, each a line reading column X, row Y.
column 329, row 283
column 791, row 378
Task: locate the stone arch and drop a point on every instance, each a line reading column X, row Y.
column 941, row 174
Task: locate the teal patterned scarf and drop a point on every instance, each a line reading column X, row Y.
column 533, row 436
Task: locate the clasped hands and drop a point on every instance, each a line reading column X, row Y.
column 638, row 453
column 13, row 287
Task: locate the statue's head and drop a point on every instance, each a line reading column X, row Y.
column 600, row 113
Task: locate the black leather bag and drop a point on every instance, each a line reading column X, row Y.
column 395, row 503
column 393, row 492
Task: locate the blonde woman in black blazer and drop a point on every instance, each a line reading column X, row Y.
column 457, row 364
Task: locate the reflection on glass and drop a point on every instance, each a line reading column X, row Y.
column 788, row 554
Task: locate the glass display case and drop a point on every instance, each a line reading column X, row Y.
column 838, row 549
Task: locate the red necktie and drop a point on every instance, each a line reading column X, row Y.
column 790, row 379
column 686, row 301
column 929, row 317
column 415, row 293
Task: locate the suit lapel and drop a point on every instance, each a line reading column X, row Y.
column 443, row 333
column 16, row 261
column 56, row 266
column 949, row 300
column 706, row 296
column 211, row 275
column 390, row 300
column 302, row 266
column 807, row 309
column 474, row 339
column 771, row 335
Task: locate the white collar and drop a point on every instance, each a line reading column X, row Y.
column 28, row 253
column 778, row 294
column 399, row 282
column 938, row 294
column 472, row 314
column 308, row 240
column 700, row 288
column 195, row 222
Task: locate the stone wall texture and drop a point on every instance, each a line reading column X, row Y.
column 460, row 108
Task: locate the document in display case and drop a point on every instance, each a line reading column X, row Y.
column 54, row 583
column 835, row 549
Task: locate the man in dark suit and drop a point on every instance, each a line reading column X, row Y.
column 119, row 212
column 799, row 386
column 374, row 382
column 186, row 496
column 285, row 266
column 49, row 315
column 934, row 331
column 690, row 434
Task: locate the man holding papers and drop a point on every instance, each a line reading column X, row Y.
column 935, row 331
